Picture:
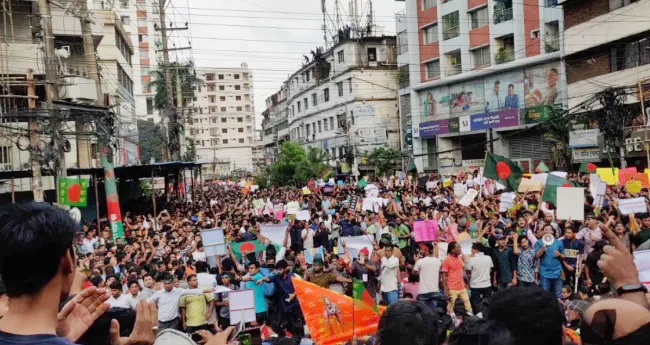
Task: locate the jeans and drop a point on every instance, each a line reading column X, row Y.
column 390, row 297
column 455, row 294
column 551, row 285
column 173, row 324
column 478, row 295
column 429, row 298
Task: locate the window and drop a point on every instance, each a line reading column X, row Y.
column 332, row 122
column 225, row 141
column 241, row 140
column 213, row 109
column 222, row 87
column 341, row 56
column 224, row 130
column 613, row 4
column 236, row 76
column 209, row 76
column 220, row 76
column 223, row 109
column 212, row 99
column 125, row 20
column 432, row 69
column 123, row 46
column 240, row 119
column 142, row 38
column 319, row 127
column 298, row 106
column 427, row 4
column 293, row 111
column 222, row 98
column 479, row 18
column 341, row 151
column 240, row 130
column 534, row 34
column 239, row 109
column 149, row 106
column 124, row 3
column 450, row 25
column 630, row 54
column 333, row 152
column 326, row 95
column 237, row 87
column 307, row 128
column 481, row 57
column 402, row 43
column 142, row 22
column 339, row 85
column 372, row 54
column 154, row 7
column 314, row 99
column 350, row 84
column 325, row 124
column 307, row 75
column 224, row 120
column 237, row 98
column 431, row 34
column 124, row 80
column 211, row 87
column 306, row 103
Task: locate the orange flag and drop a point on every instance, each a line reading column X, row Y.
column 332, row 318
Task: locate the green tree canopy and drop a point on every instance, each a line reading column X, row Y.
column 297, row 166
column 384, row 159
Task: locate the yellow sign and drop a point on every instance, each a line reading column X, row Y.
column 306, row 191
column 607, row 175
column 633, row 186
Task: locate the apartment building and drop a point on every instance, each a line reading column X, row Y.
column 223, row 119
column 275, row 125
column 344, row 99
column 149, row 40
column 607, row 44
column 473, row 74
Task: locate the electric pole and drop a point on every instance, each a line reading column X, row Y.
column 37, row 181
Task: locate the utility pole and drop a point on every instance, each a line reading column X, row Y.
column 105, row 151
column 51, row 83
column 37, row 181
column 178, row 115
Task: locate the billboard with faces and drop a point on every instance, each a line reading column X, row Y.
column 542, row 85
column 467, row 98
column 504, row 90
column 435, row 102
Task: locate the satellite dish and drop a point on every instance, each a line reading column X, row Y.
column 75, row 214
column 548, row 239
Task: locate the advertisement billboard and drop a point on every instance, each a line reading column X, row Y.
column 504, row 90
column 432, row 128
column 467, row 98
column 542, row 85
column 435, row 102
column 502, row 118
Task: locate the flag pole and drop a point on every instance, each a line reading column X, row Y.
column 480, row 191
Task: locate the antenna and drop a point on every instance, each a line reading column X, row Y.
column 324, row 10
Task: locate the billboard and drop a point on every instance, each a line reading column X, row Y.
column 467, row 98
column 542, row 85
column 504, row 90
column 435, row 102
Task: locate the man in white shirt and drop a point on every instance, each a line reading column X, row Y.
column 308, row 237
column 478, row 268
column 199, row 254
column 205, row 279
column 89, row 242
column 429, row 269
column 148, row 285
column 118, row 299
column 167, row 301
column 388, row 274
column 134, row 291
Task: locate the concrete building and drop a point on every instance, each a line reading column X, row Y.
column 223, row 120
column 275, row 125
column 149, row 40
column 607, row 44
column 342, row 101
column 478, row 71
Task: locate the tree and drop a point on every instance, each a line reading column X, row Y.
column 314, row 165
column 384, row 159
column 151, row 141
column 190, row 154
column 262, row 180
column 283, row 171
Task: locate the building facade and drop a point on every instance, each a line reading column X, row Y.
column 275, row 125
column 343, row 101
column 223, row 120
column 473, row 75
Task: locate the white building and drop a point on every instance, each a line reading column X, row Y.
column 345, row 99
column 223, row 126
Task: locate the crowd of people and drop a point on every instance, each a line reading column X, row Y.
column 489, row 276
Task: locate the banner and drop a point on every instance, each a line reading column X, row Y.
column 354, row 244
column 333, row 318
column 73, row 191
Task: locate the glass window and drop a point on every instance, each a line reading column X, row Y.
column 450, row 25
column 402, row 43
column 339, row 85
column 149, row 106
column 223, row 120
column 326, row 95
column 479, row 18
column 427, row 4
column 481, row 57
column 306, row 103
column 319, row 127
column 433, row 69
column 431, row 34
column 240, row 130
column 314, row 99
column 341, row 56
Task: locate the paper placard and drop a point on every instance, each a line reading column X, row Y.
column 529, row 185
column 293, row 207
column 631, row 206
column 372, row 204
column 468, row 198
column 594, row 180
column 507, row 201
column 540, row 177
column 275, row 233
column 622, row 173
column 303, row 215
column 460, row 189
column 607, row 175
column 641, row 177
column 562, row 174
column 425, row 230
column 242, row 306
column 214, row 242
column 466, row 247
column 642, row 263
column 354, row 244
column 600, row 194
column 571, row 203
column 633, row 186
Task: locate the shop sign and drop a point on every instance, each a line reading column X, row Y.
column 583, row 138
column 586, row 155
column 473, row 162
column 502, row 118
column 371, row 135
column 539, row 114
column 432, row 128
column 446, row 162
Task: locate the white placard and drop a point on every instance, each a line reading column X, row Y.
column 430, row 185
column 571, row 203
column 468, row 198
column 601, row 189
column 562, row 174
column 275, row 233
column 594, row 180
column 372, row 204
column 442, row 250
column 354, row 244
column 631, row 206
column 214, row 242
column 303, row 215
column 642, row 263
column 293, row 207
column 507, row 201
column 464, row 123
column 466, row 247
column 460, row 189
column 242, row 306
column 540, row 177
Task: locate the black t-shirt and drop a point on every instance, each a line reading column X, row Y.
column 38, row 339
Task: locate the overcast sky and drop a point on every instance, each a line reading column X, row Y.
column 271, row 36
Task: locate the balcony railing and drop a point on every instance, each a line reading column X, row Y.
column 451, row 33
column 502, row 15
column 504, row 55
column 552, row 44
column 453, row 70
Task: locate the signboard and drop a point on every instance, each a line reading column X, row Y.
column 446, row 162
column 583, row 138
column 473, row 162
column 538, row 114
column 371, row 135
column 586, row 155
column 503, row 118
column 432, row 128
column 363, row 110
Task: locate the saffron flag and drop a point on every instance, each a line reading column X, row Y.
column 333, row 318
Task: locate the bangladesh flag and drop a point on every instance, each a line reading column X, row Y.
column 73, row 191
column 362, row 183
column 541, row 168
column 362, row 297
column 249, row 247
column 588, row 168
column 550, row 190
column 411, row 166
column 503, row 170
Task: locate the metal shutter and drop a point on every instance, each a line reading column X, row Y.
column 529, row 145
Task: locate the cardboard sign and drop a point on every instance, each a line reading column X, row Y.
column 459, row 190
column 641, row 177
column 425, row 230
column 468, row 198
column 529, row 185
column 633, row 186
column 607, row 175
column 632, row 206
column 570, row 203
column 622, row 173
column 507, row 202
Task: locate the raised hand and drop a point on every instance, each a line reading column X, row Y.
column 80, row 313
column 144, row 330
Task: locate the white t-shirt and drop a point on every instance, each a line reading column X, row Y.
column 308, row 241
column 123, row 301
column 429, row 269
column 480, row 266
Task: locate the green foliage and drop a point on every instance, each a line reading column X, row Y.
column 384, row 159
column 188, row 81
column 295, row 166
column 313, row 165
column 151, row 141
column 262, row 180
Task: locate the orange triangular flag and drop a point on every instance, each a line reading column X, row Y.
column 331, row 317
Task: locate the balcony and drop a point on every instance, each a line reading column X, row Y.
column 551, row 44
column 451, row 33
column 502, row 14
column 504, row 55
column 453, row 70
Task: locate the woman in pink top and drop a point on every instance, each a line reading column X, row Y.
column 413, row 283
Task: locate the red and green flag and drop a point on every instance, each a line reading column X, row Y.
column 503, row 170
column 588, row 168
column 542, row 168
column 73, row 191
column 361, row 296
column 249, row 247
column 550, row 190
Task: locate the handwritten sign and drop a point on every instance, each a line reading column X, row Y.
column 529, row 185
column 468, row 198
column 425, row 230
column 631, row 206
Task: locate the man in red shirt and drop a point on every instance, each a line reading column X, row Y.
column 452, row 275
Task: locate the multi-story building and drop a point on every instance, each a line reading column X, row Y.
column 607, row 45
column 149, row 57
column 275, row 125
column 473, row 75
column 343, row 100
column 223, row 119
